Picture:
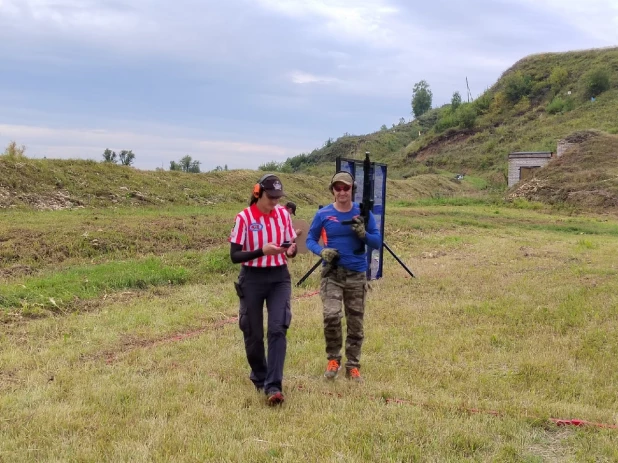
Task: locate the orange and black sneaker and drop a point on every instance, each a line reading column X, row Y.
column 331, row 369
column 275, row 398
column 353, row 374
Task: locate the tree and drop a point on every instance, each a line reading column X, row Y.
column 126, row 157
column 455, row 101
column 421, row 98
column 109, row 156
column 194, row 168
column 186, row 164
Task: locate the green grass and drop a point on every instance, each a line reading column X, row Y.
column 77, row 287
column 513, row 311
column 453, row 201
column 38, row 239
column 61, row 289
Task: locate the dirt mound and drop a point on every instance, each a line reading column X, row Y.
column 582, row 136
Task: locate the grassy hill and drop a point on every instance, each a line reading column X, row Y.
column 538, row 101
column 62, row 184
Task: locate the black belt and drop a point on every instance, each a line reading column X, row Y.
column 264, row 269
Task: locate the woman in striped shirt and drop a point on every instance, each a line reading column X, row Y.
column 262, row 240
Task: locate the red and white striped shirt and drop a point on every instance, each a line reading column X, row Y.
column 253, row 229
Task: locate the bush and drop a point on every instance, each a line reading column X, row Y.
column 14, row 151
column 539, row 89
column 517, row 86
column 447, row 121
column 558, row 78
column 555, row 106
column 595, row 82
column 483, row 102
column 271, row 166
column 429, row 119
column 274, row 166
column 522, row 106
column 297, row 162
column 500, row 103
column 560, row 105
column 466, row 116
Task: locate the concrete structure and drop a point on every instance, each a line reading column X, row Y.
column 523, row 164
column 563, row 146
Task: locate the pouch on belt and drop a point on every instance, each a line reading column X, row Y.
column 238, row 289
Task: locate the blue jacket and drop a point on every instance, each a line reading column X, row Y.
column 342, row 237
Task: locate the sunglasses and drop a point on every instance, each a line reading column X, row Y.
column 342, row 187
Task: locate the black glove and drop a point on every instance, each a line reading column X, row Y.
column 329, row 254
column 359, row 228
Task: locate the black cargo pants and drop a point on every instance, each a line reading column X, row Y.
column 272, row 285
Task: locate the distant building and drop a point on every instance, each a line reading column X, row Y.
column 522, row 165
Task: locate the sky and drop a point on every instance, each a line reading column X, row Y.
column 240, row 83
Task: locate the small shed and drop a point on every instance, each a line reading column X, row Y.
column 523, row 164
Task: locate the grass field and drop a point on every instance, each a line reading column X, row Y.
column 119, row 342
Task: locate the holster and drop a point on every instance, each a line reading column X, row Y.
column 238, row 289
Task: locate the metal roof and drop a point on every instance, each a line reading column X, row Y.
column 531, row 154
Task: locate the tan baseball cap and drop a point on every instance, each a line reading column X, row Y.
column 343, row 177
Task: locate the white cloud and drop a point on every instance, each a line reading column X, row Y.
column 365, row 21
column 299, row 77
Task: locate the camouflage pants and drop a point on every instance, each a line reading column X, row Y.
column 338, row 287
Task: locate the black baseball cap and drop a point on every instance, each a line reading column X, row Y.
column 272, row 187
column 292, row 206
